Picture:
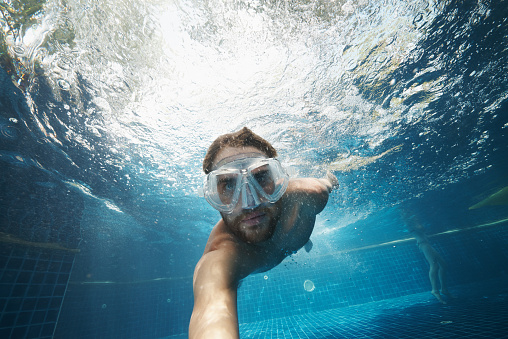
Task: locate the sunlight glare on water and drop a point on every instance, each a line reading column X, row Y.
column 166, row 77
column 141, row 88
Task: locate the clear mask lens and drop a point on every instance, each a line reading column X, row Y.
column 253, row 180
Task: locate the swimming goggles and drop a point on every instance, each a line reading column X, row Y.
column 249, row 182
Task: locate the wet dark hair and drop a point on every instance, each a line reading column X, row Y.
column 242, row 138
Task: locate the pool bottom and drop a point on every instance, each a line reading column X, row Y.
column 479, row 311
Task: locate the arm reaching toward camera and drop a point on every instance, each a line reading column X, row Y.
column 216, row 277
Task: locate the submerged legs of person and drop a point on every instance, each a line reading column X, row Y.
column 444, row 286
column 438, row 271
column 435, row 274
column 443, row 270
column 442, row 275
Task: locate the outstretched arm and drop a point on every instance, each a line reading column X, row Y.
column 312, row 192
column 215, row 293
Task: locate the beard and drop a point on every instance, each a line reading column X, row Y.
column 254, row 226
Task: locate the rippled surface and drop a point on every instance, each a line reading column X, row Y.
column 400, row 99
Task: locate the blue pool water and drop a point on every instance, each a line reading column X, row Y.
column 107, row 109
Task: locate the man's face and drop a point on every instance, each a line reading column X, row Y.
column 250, row 225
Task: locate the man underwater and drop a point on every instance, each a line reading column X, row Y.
column 266, row 216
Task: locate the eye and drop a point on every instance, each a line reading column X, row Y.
column 226, row 184
column 263, row 177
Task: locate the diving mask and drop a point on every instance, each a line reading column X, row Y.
column 247, row 182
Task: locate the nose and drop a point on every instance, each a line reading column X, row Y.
column 250, row 198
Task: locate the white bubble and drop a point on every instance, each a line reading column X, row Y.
column 308, row 285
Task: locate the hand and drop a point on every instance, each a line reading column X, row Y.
column 333, row 180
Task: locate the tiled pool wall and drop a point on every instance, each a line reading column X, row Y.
column 161, row 308
column 383, row 272
column 39, row 236
column 32, row 289
column 151, row 309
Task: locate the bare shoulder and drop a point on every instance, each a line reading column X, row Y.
column 225, row 255
column 219, row 237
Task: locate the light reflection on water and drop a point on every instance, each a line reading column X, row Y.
column 147, row 85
